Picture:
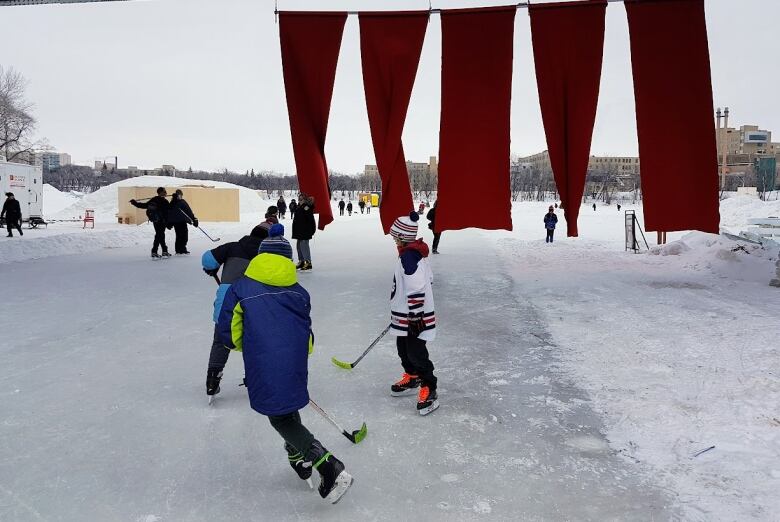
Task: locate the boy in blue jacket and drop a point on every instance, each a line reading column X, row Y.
column 267, row 315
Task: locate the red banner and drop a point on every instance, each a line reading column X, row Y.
column 390, row 46
column 673, row 91
column 310, row 50
column 476, row 85
column 568, row 74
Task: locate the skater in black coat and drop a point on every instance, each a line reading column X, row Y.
column 432, row 225
column 303, row 228
column 13, row 214
column 179, row 216
column 157, row 212
column 341, row 207
column 349, row 208
column 282, row 206
column 292, row 207
column 362, row 205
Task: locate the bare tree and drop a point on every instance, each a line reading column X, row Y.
column 17, row 124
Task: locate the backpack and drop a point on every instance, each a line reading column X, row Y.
column 152, row 213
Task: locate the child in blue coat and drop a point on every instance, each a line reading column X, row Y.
column 267, row 315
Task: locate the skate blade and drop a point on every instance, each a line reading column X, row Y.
column 310, row 483
column 211, row 399
column 343, row 482
column 410, row 391
column 429, row 409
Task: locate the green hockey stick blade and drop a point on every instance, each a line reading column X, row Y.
column 360, row 434
column 341, row 364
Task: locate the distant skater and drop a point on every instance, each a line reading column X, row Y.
column 303, row 228
column 341, row 207
column 157, row 213
column 368, row 206
column 13, row 214
column 282, row 206
column 618, row 207
column 432, row 225
column 292, row 207
column 179, row 216
column 362, row 205
column 349, row 208
column 594, row 207
column 550, row 220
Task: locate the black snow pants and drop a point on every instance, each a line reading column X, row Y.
column 293, row 431
column 415, row 359
column 11, row 224
column 219, row 353
column 159, row 237
column 182, row 236
column 436, row 237
column 550, row 232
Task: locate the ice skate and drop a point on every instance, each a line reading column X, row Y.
column 299, row 464
column 334, row 479
column 405, row 386
column 213, row 378
column 427, row 401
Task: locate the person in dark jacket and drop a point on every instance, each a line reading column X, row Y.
column 233, row 258
column 432, row 225
column 282, row 206
column 550, row 220
column 266, row 315
column 594, row 207
column 179, row 216
column 13, row 214
column 341, row 207
column 157, row 212
column 362, row 205
column 349, row 208
column 292, row 207
column 303, row 228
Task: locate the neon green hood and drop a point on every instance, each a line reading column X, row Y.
column 272, row 269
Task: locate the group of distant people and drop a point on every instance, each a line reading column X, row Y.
column 175, row 214
column 363, row 204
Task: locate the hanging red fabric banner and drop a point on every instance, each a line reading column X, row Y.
column 673, row 92
column 476, row 91
column 390, row 46
column 310, row 50
column 568, row 74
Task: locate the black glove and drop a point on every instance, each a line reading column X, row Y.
column 211, row 272
column 195, row 222
column 416, row 324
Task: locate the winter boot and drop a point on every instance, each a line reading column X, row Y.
column 298, row 463
column 427, row 400
column 334, row 479
column 407, row 384
column 213, row 378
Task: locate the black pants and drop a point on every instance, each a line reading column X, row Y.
column 159, row 237
column 293, row 431
column 415, row 359
column 341, row 211
column 11, row 224
column 182, row 236
column 219, row 353
column 550, row 232
column 436, row 237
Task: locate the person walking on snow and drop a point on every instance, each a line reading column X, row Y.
column 550, row 220
column 362, row 205
column 179, row 216
column 292, row 207
column 233, row 258
column 266, row 315
column 13, row 214
column 281, row 204
column 412, row 316
column 432, row 225
column 349, row 208
column 368, row 205
column 303, row 228
column 594, row 207
column 341, row 207
column 156, row 212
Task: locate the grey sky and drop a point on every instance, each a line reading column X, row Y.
column 199, row 83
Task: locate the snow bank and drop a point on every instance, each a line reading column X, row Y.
column 55, row 201
column 736, row 210
column 105, row 200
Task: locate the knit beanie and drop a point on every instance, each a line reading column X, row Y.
column 275, row 243
column 405, row 228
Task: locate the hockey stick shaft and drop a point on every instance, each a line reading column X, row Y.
column 370, row 347
column 191, row 223
column 355, row 437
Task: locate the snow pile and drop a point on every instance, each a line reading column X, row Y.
column 736, row 210
column 105, row 200
column 54, row 200
column 737, row 260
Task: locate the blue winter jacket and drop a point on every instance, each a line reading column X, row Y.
column 550, row 220
column 266, row 314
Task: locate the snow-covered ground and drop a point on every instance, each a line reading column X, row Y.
column 577, row 380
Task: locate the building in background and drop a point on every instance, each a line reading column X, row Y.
column 750, row 151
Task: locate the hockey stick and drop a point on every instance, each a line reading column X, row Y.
column 216, row 278
column 349, row 366
column 191, row 223
column 354, row 437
